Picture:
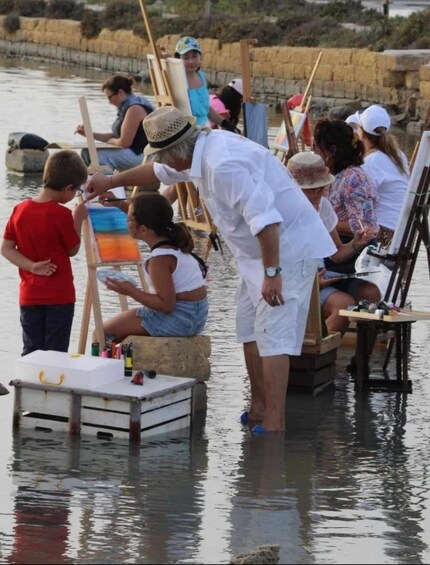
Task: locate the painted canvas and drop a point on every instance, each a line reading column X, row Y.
column 422, row 160
column 281, row 140
column 113, row 241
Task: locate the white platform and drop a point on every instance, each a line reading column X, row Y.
column 116, row 409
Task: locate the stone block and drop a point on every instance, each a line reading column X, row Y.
column 26, row 160
column 176, row 356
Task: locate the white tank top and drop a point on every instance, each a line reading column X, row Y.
column 187, row 275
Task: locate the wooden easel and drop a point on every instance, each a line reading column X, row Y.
column 92, row 298
column 193, row 210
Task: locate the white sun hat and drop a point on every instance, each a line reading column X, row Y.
column 375, row 120
column 166, row 127
column 309, row 170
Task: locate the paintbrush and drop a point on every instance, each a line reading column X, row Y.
column 351, row 275
column 114, row 199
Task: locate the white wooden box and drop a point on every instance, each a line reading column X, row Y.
column 118, row 409
column 70, row 370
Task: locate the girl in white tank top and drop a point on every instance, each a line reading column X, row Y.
column 177, row 304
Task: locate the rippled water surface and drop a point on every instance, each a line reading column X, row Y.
column 348, row 483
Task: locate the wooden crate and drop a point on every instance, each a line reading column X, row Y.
column 118, row 409
column 316, row 366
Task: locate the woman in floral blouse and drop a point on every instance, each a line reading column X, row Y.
column 352, row 193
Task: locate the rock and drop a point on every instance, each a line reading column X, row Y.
column 263, row 554
column 26, row 160
column 342, row 112
column 3, row 390
column 176, row 356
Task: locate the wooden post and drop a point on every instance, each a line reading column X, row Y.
column 246, row 70
column 310, row 81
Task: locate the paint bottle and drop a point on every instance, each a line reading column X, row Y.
column 105, row 353
column 95, row 349
column 128, row 361
column 118, row 351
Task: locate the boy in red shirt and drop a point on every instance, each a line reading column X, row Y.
column 40, row 237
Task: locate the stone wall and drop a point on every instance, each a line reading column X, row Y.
column 391, row 77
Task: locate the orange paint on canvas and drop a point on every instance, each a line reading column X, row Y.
column 114, row 247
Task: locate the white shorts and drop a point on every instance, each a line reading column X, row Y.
column 278, row 330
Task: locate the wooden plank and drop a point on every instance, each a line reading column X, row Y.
column 402, row 316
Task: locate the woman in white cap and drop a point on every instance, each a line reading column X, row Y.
column 227, row 102
column 385, row 163
column 311, row 174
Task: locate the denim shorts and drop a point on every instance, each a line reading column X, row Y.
column 350, row 286
column 188, row 319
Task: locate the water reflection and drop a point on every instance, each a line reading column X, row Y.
column 93, row 501
column 347, row 482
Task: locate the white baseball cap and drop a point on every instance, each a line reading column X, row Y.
column 375, row 120
column 237, row 84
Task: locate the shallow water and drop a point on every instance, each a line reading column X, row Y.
column 347, row 483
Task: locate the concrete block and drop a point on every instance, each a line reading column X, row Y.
column 26, row 160
column 176, row 356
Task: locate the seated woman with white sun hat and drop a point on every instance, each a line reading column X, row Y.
column 312, row 175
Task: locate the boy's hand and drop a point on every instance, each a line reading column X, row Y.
column 80, row 211
column 44, row 268
column 80, row 130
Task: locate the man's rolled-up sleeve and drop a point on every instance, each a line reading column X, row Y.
column 252, row 197
column 167, row 175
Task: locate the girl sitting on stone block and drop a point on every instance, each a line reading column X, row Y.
column 178, row 305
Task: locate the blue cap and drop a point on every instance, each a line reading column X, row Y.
column 186, row 44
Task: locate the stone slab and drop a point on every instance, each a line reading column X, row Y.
column 176, row 356
column 26, row 160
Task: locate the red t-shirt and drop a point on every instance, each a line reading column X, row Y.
column 44, row 231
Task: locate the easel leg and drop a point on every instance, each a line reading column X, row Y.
column 85, row 324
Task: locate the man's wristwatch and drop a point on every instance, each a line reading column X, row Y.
column 272, row 271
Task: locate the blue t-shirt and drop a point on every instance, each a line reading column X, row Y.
column 199, row 101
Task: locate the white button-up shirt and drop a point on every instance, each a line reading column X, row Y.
column 246, row 188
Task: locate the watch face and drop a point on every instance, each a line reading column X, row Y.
column 271, row 271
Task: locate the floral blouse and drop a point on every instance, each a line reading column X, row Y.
column 353, row 197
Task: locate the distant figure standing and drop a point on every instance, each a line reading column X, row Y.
column 385, row 163
column 40, row 237
column 188, row 49
column 127, row 131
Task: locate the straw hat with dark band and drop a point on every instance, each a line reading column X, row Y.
column 166, row 127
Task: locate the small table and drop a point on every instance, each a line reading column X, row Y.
column 367, row 325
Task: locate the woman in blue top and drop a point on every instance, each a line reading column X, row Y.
column 127, row 131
